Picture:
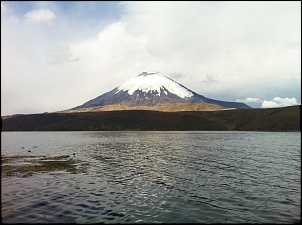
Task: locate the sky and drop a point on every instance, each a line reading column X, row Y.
column 57, row 55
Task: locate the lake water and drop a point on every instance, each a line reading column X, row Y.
column 151, row 177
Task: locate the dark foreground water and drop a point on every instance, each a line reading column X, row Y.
column 151, row 177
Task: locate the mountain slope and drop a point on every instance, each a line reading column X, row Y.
column 153, row 88
column 176, row 107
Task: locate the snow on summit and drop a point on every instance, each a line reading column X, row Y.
column 154, row 82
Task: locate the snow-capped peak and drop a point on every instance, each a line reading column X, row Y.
column 154, row 81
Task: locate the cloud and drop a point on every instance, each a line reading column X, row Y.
column 224, row 50
column 176, row 75
column 249, row 99
column 62, row 56
column 223, row 45
column 39, row 15
column 279, row 102
column 4, row 9
column 275, row 102
column 210, row 79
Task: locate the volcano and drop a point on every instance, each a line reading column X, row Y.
column 153, row 89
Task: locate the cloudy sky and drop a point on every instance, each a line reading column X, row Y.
column 58, row 55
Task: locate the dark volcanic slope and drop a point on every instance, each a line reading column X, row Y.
column 277, row 119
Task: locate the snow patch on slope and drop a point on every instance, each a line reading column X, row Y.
column 153, row 81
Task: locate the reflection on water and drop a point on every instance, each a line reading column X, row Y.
column 150, row 177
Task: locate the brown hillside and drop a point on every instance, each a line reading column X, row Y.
column 164, row 108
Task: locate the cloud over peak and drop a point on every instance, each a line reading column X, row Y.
column 39, row 15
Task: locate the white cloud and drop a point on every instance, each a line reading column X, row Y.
column 275, row 102
column 39, row 15
column 222, row 50
column 218, row 47
column 62, row 56
column 210, row 79
column 279, row 102
column 7, row 15
column 3, row 9
column 249, row 99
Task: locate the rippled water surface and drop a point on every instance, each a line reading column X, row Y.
column 150, row 177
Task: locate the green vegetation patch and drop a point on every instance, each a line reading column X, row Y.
column 24, row 166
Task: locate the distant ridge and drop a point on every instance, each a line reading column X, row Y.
column 153, row 89
column 274, row 119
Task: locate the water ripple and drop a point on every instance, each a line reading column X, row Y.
column 155, row 177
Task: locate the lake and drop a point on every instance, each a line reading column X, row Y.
column 151, row 177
